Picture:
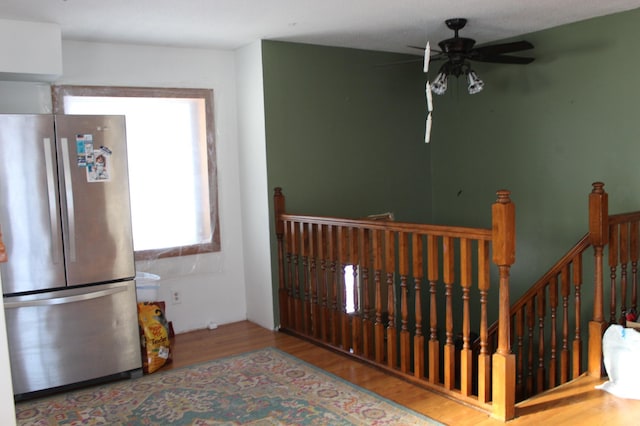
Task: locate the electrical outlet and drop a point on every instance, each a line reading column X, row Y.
column 176, row 297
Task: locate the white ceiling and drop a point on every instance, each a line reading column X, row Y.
column 386, row 25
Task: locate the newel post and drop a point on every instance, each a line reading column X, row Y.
column 504, row 255
column 278, row 211
column 599, row 237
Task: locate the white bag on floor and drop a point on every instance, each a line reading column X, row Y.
column 621, row 351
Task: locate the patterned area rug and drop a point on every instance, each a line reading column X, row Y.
column 265, row 387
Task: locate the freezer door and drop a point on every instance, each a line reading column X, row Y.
column 69, row 336
column 29, row 210
column 94, row 188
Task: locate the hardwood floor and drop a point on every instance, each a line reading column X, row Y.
column 576, row 402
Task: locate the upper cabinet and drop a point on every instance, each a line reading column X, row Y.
column 30, row 51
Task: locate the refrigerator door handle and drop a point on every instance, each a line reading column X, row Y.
column 71, row 220
column 64, row 299
column 51, row 193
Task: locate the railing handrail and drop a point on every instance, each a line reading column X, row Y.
column 616, row 219
column 438, row 230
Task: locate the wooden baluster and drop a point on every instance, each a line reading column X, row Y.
column 389, row 250
column 338, row 289
column 432, row 276
column 530, row 345
column 577, row 339
column 418, row 339
column 334, row 314
column 633, row 243
column 305, row 286
column 291, row 299
column 356, row 317
column 367, row 323
column 519, row 326
column 624, row 261
column 405, row 336
column 598, row 236
column 323, row 286
column 379, row 325
column 297, row 285
column 283, row 295
column 564, row 354
column 343, row 256
column 466, row 355
column 553, row 309
column 613, row 265
column 448, row 276
column 541, row 371
column 313, row 272
column 484, row 359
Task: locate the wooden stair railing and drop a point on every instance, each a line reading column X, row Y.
column 546, row 327
column 547, row 322
column 409, row 282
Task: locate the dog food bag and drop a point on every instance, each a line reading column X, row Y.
column 154, row 336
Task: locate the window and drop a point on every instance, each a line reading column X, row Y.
column 172, row 167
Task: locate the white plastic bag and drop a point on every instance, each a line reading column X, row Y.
column 621, row 350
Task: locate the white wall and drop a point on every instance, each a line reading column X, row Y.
column 212, row 285
column 253, row 182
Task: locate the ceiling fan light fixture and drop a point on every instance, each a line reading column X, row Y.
column 475, row 84
column 458, row 51
column 439, row 86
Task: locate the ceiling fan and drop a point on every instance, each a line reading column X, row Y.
column 458, row 51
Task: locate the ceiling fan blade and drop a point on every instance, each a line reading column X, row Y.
column 502, row 59
column 437, row 55
column 422, row 48
column 498, row 49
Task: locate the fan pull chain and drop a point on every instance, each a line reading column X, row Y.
column 427, row 55
column 427, row 132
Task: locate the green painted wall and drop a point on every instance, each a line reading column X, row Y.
column 545, row 131
column 345, row 131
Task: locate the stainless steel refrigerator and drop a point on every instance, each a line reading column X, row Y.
column 68, row 286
